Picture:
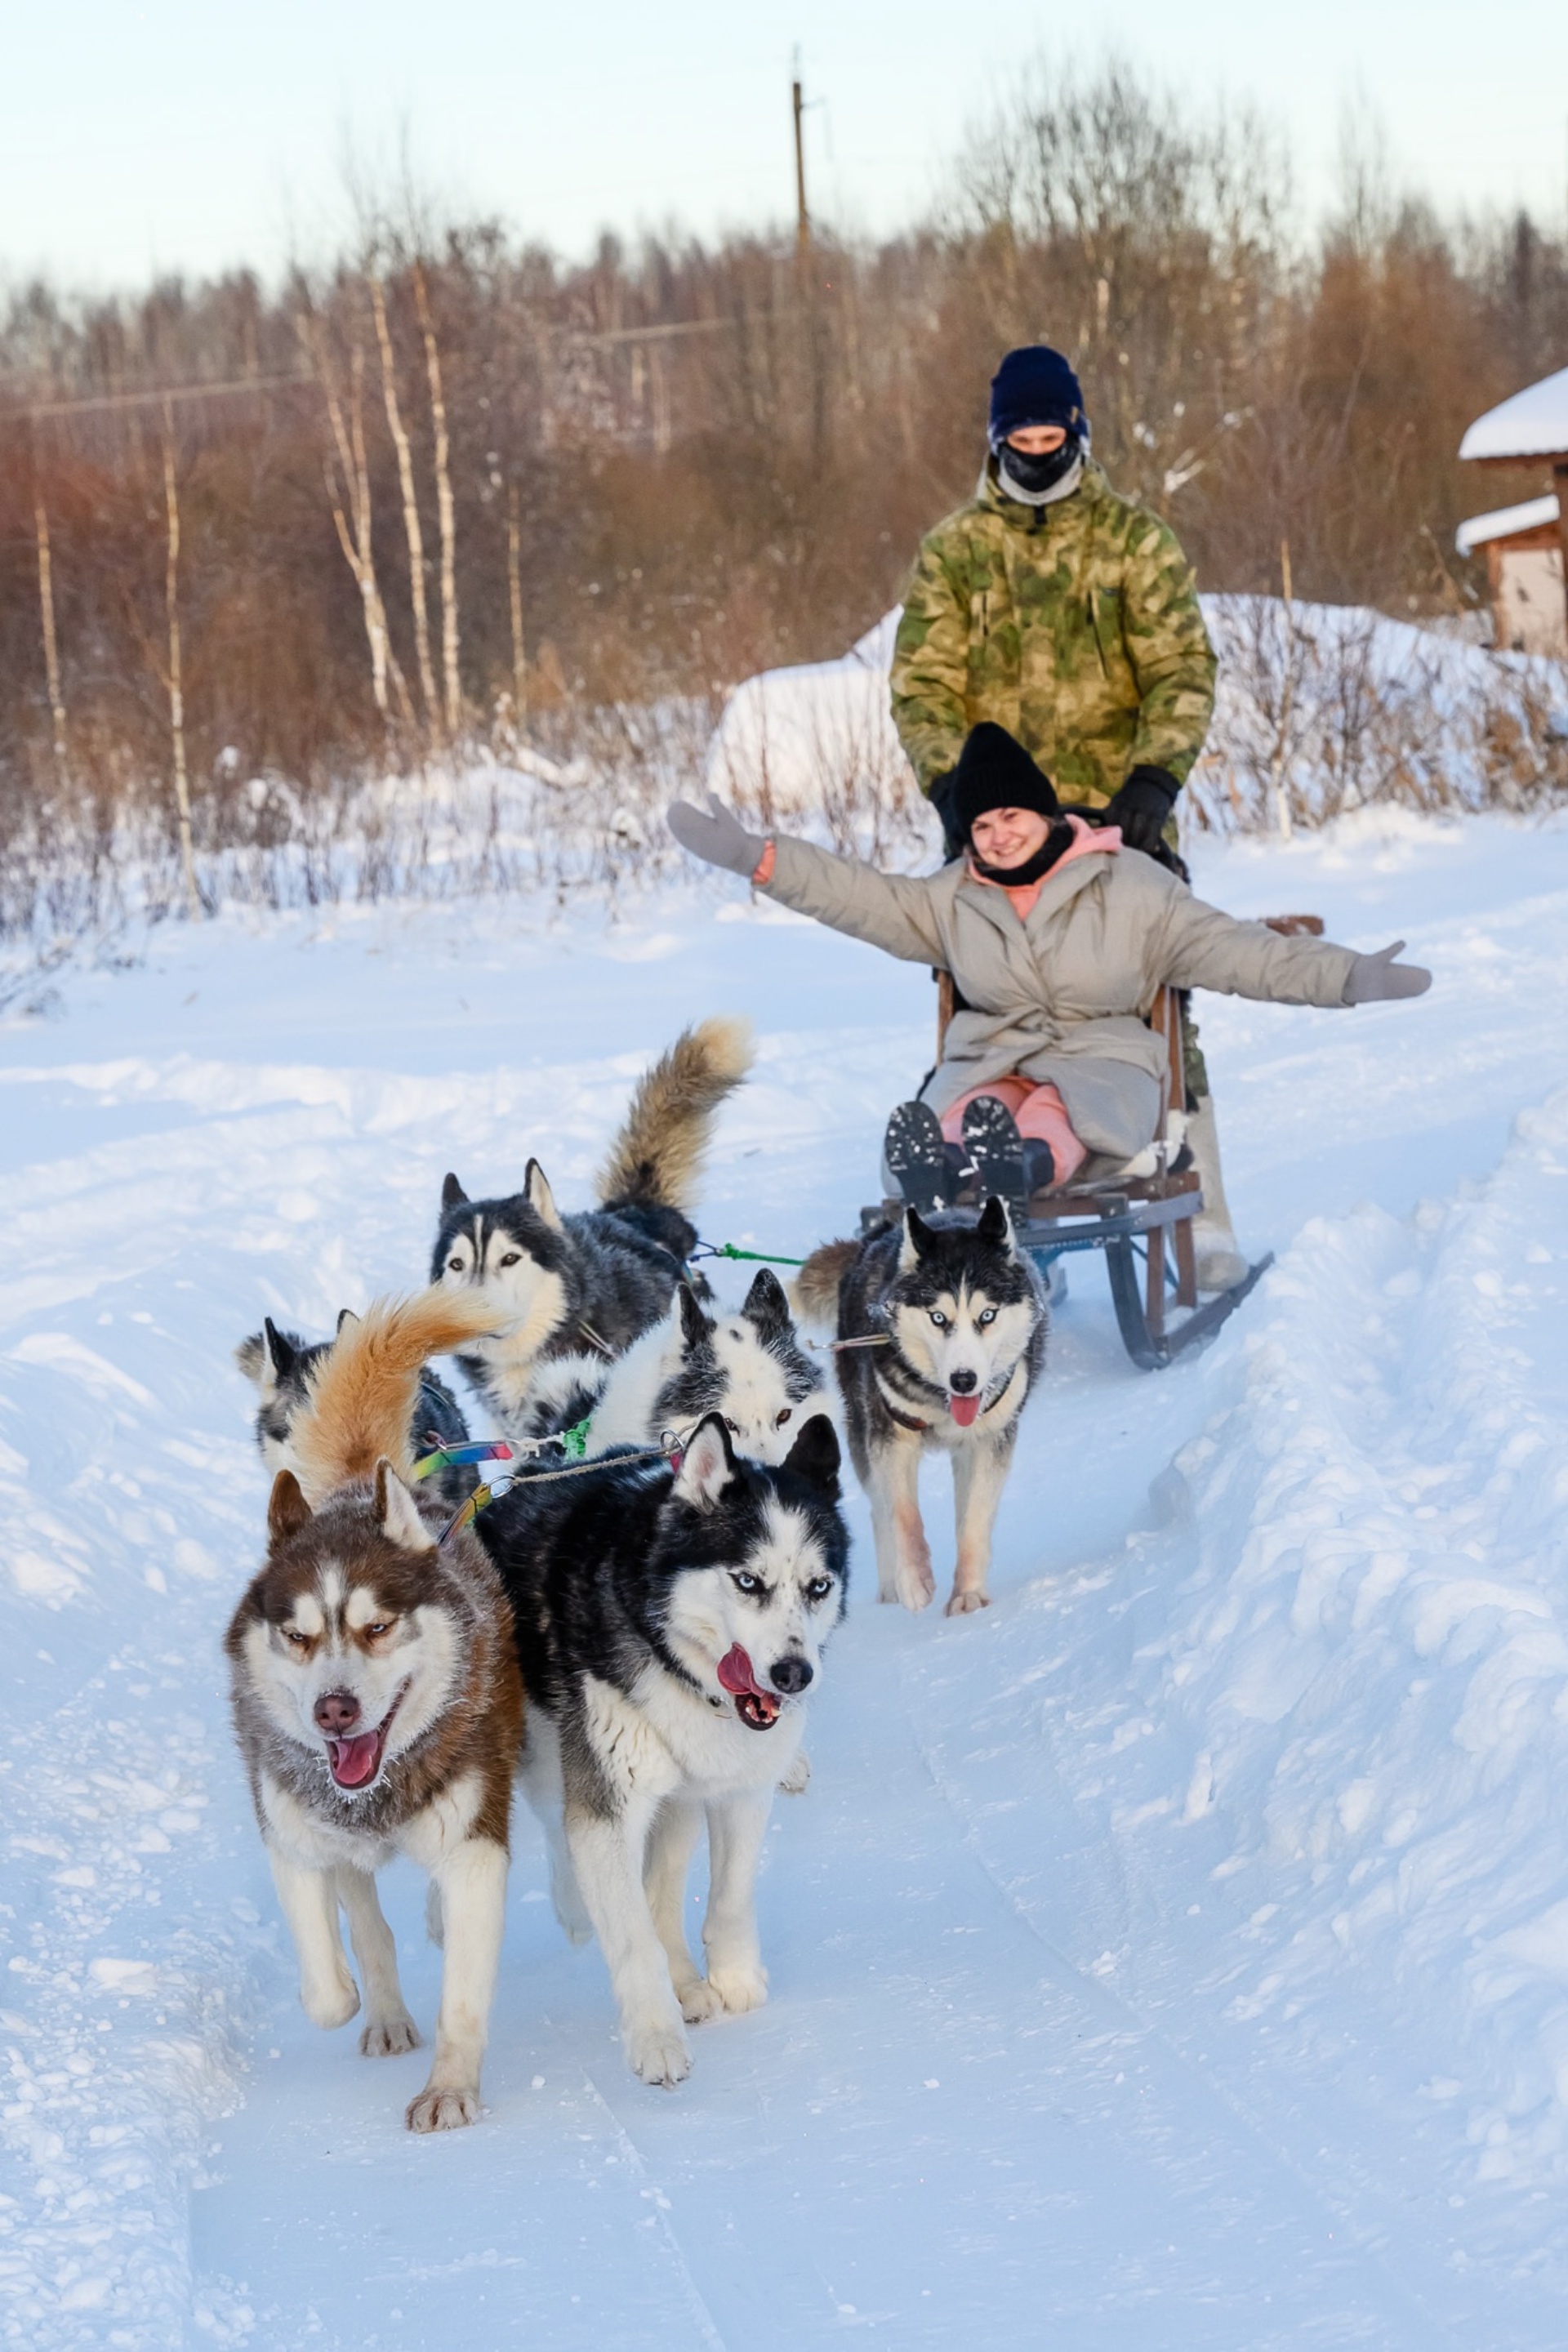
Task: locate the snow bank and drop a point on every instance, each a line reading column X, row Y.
column 1323, row 707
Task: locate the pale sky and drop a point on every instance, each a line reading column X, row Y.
column 185, row 134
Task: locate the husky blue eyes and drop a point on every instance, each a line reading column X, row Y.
column 986, row 1315
column 744, row 1582
column 939, row 1319
column 819, row 1588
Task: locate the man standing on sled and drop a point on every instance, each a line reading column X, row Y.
column 1069, row 616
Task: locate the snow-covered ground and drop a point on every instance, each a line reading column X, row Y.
column 1174, row 1957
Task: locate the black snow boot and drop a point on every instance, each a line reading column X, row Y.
column 917, row 1158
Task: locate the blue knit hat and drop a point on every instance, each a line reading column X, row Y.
column 1035, row 386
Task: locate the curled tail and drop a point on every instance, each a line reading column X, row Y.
column 362, row 1393
column 656, row 1161
column 814, row 1293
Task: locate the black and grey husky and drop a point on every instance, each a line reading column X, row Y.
column 595, row 1281
column 669, row 1626
column 956, row 1317
column 284, row 1367
column 749, row 1367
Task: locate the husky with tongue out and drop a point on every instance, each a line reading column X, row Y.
column 377, row 1701
column 955, row 1318
column 670, row 1625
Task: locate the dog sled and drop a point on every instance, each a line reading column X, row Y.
column 1142, row 1225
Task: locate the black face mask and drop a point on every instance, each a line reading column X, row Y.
column 1036, row 475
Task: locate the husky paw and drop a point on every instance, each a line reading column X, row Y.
column 332, row 2004
column 437, row 2110
column 916, row 1584
column 962, row 1604
column 657, row 2054
column 388, row 2037
column 700, row 2001
column 740, row 1988
column 797, row 1780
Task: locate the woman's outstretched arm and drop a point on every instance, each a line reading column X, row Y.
column 890, row 912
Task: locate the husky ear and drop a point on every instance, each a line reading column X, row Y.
column 346, row 1316
column 695, row 1328
column 539, row 1196
column 996, row 1226
column 396, row 1514
column 452, row 1193
column 709, row 1464
column 766, row 1304
column 814, row 1455
column 287, row 1509
column 918, row 1239
column 253, row 1360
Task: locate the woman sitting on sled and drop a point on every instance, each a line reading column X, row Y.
column 1057, row 937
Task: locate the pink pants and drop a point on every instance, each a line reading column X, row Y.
column 1040, row 1113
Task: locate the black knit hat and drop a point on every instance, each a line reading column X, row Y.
column 1035, row 386
column 995, row 772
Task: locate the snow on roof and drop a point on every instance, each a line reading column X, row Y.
column 1504, row 522
column 1533, row 424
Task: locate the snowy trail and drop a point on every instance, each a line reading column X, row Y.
column 1177, row 1955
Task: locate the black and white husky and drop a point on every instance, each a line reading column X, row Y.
column 750, row 1369
column 960, row 1315
column 669, row 1627
column 595, row 1281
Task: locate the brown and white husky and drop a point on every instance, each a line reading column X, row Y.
column 377, row 1702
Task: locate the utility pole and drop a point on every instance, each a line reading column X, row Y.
column 801, row 217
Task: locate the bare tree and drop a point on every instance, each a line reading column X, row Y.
column 51, row 649
column 176, row 667
column 444, row 507
column 411, row 524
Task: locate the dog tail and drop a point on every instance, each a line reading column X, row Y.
column 656, row 1161
column 362, row 1393
column 814, row 1293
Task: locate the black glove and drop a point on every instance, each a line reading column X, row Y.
column 1143, row 808
column 954, row 841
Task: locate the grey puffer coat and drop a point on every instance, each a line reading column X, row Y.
column 1061, row 995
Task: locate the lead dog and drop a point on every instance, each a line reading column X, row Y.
column 957, row 1318
column 377, row 1703
column 671, row 1624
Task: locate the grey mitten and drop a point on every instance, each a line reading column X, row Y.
column 1373, row 978
column 717, row 834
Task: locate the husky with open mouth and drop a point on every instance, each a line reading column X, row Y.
column 671, row 1623
column 956, row 1317
column 377, row 1702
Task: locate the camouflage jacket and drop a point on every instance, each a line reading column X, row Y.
column 1075, row 626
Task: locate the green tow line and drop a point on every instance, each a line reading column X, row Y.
column 728, row 1249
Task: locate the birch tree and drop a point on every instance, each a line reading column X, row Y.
column 51, row 647
column 444, row 507
column 175, row 674
column 353, row 528
column 413, row 529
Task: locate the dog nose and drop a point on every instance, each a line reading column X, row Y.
column 790, row 1675
column 963, row 1383
column 337, row 1712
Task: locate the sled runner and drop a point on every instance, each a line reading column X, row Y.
column 1143, row 1224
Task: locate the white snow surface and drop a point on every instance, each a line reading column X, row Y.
column 1502, row 522
column 1530, row 423
column 1174, row 1956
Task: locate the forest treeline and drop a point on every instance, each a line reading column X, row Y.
column 453, row 489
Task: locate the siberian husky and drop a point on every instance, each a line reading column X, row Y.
column 671, row 1624
column 283, row 1365
column 377, row 1702
column 596, row 1281
column 749, row 1367
column 961, row 1317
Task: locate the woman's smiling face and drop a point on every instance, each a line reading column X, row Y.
column 1008, row 836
